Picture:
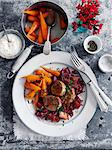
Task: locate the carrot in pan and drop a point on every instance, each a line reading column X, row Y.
column 40, row 37
column 27, row 29
column 32, row 18
column 31, row 12
column 31, row 37
column 34, row 26
column 44, row 27
column 45, row 15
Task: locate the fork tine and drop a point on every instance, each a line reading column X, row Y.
column 75, row 62
column 76, row 58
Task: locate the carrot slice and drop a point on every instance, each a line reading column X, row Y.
column 44, row 86
column 31, row 37
column 30, row 95
column 27, row 29
column 48, row 80
column 34, row 26
column 45, row 15
column 31, row 12
column 40, row 72
column 33, row 18
column 32, row 86
column 32, row 78
column 53, row 72
column 38, row 84
column 40, row 37
column 63, row 25
column 44, row 27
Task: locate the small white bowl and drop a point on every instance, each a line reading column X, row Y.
column 19, row 35
column 105, row 63
column 97, row 40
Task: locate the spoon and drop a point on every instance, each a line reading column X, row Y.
column 5, row 32
column 51, row 23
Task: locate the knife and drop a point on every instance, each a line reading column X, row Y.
column 103, row 106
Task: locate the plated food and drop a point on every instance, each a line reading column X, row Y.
column 35, row 24
column 26, row 111
column 54, row 93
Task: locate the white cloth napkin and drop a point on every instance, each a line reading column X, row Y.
column 21, row 132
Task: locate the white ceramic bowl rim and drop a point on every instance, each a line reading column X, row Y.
column 22, row 41
column 97, row 40
column 101, row 66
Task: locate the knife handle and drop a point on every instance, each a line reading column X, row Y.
column 102, row 105
column 103, row 95
column 19, row 62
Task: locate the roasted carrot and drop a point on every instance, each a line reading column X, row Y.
column 40, row 37
column 35, row 101
column 32, row 78
column 44, row 86
column 53, row 72
column 63, row 25
column 45, row 15
column 31, row 37
column 32, row 86
column 39, row 84
column 30, row 95
column 40, row 72
column 31, row 12
column 34, row 26
column 44, row 27
column 27, row 29
column 33, row 18
column 47, row 80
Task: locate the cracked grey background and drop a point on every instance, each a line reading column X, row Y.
column 99, row 131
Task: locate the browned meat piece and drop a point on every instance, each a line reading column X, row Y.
column 51, row 102
column 69, row 97
column 58, row 88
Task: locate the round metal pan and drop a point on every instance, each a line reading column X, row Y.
column 55, row 31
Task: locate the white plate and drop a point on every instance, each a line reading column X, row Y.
column 25, row 110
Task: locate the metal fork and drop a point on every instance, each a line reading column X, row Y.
column 95, row 89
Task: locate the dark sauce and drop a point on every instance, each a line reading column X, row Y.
column 92, row 46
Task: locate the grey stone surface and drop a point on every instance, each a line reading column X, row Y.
column 99, row 131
